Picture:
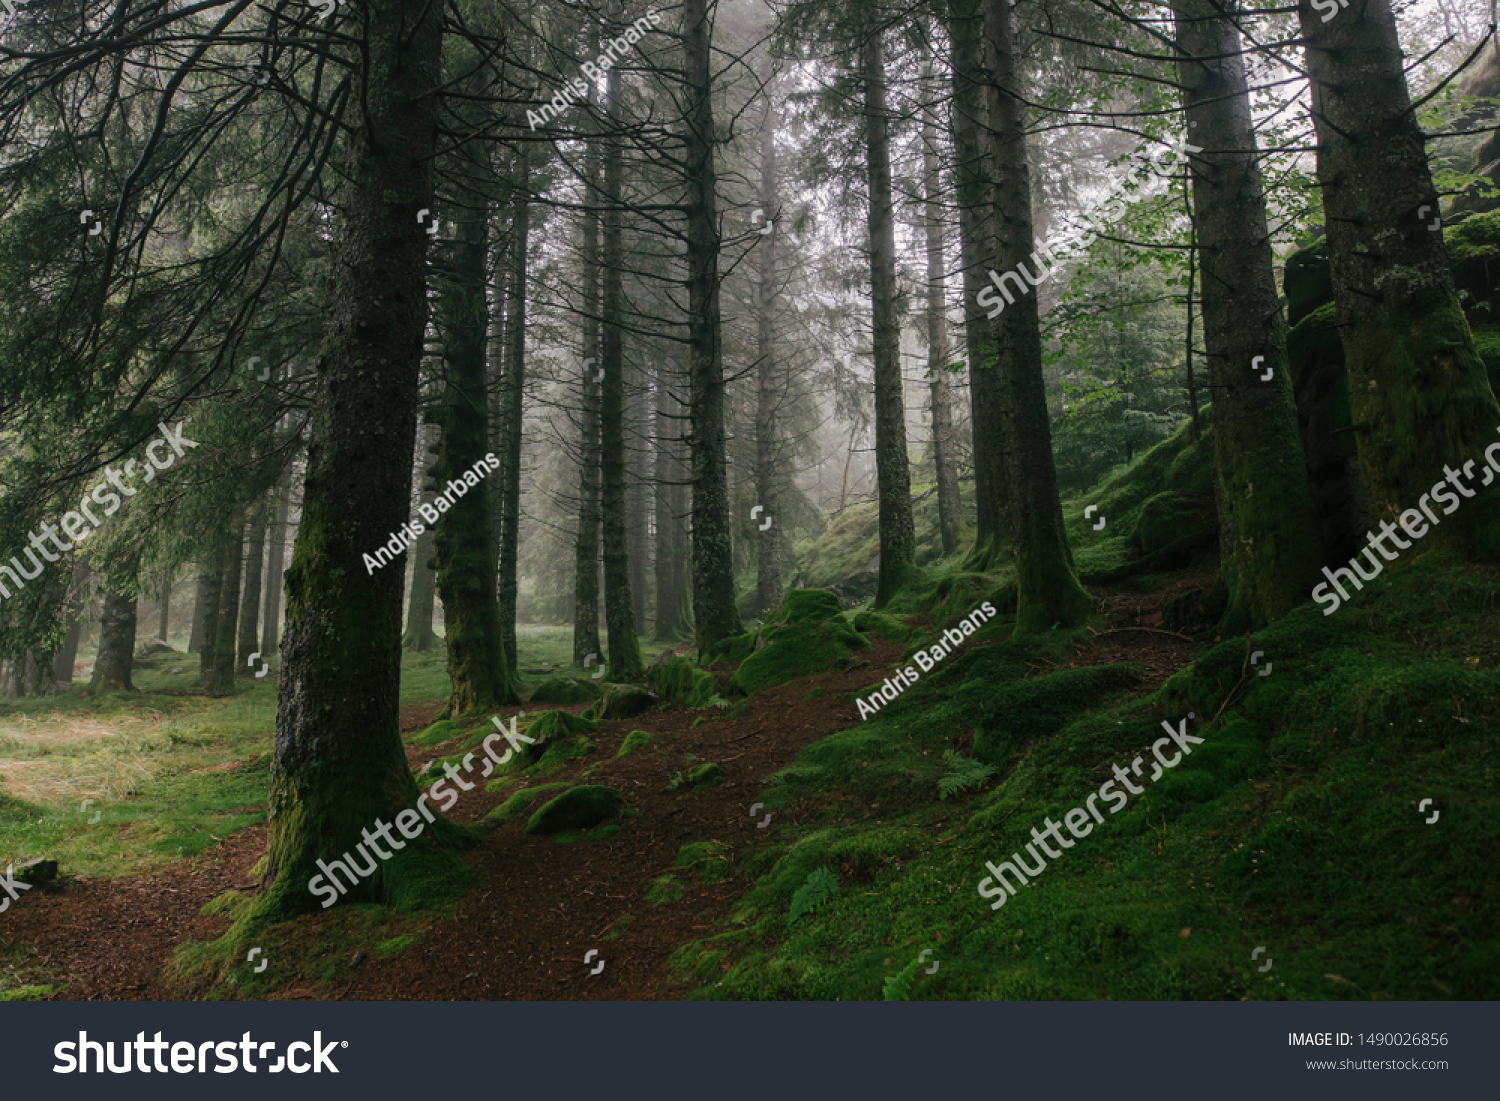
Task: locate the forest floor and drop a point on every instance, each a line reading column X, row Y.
column 524, row 931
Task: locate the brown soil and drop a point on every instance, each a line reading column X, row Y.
column 524, row 931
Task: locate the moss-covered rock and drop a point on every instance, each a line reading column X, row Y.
column 636, row 739
column 566, row 691
column 625, row 701
column 577, row 808
column 1168, row 517
column 557, row 737
column 519, row 802
column 807, row 634
column 704, row 775
column 884, row 626
column 1308, row 281
column 681, row 681
column 444, row 730
column 734, row 648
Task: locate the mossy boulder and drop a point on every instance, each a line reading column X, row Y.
column 705, row 775
column 807, row 634
column 681, row 681
column 734, row 648
column 557, row 736
column 625, row 701
column 1168, row 517
column 636, row 739
column 1308, row 282
column 566, row 691
column 884, row 626
column 577, row 808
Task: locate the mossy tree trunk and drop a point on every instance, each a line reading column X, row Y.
column 210, row 586
column 270, row 612
column 463, row 538
column 1047, row 588
column 767, row 392
column 619, row 615
column 1421, row 402
column 586, row 538
column 975, row 197
column 715, row 614
column 221, row 673
column 250, row 594
column 116, row 657
column 419, row 635
column 1267, row 532
column 950, row 510
column 898, row 540
column 512, row 407
column 339, row 763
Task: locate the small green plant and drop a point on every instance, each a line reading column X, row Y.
column 963, row 773
column 820, row 886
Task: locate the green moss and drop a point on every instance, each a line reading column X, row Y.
column 808, row 634
column 711, row 858
column 444, row 730
column 625, row 701
column 599, row 833
column 396, row 944
column 636, row 739
column 680, row 681
column 704, row 775
column 884, row 626
column 1013, row 714
column 29, row 993
column 1308, row 281
column 520, row 801
column 566, row 691
column 664, row 889
column 734, row 648
column 1169, row 516
column 577, row 808
column 814, row 694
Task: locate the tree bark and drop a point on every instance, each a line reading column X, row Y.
column 898, row 540
column 586, row 539
column 674, row 612
column 78, row 601
column 221, row 673
column 339, row 764
column 624, row 650
column 1267, row 531
column 270, row 613
column 116, row 658
column 715, row 615
column 1047, row 588
column 419, row 635
column 950, row 509
column 210, row 586
column 198, row 636
column 463, row 538
column 976, row 223
column 250, row 597
column 768, row 594
column 513, row 401
column 638, row 497
column 1421, row 402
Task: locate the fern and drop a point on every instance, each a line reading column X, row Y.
column 818, row 888
column 963, row 772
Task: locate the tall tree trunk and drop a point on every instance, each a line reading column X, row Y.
column 270, row 612
column 419, row 635
column 768, row 554
column 638, row 497
column 715, row 615
column 513, row 402
column 624, row 650
column 339, row 764
column 210, row 585
column 78, row 601
column 221, row 677
column 198, row 635
column 1421, row 402
column 250, row 597
column 950, row 510
column 1267, row 530
column 586, row 538
column 673, row 604
column 898, row 540
column 466, row 569
column 164, row 609
column 116, row 657
column 1047, row 588
column 976, row 224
